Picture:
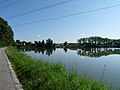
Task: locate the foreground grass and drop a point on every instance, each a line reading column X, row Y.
column 39, row 75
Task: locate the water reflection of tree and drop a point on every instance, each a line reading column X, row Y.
column 97, row 52
column 65, row 49
column 49, row 51
column 46, row 51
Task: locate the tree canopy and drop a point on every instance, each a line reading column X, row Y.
column 6, row 33
column 97, row 41
column 37, row 44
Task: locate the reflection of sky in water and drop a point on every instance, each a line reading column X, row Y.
column 93, row 67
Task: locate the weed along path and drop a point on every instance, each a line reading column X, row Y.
column 8, row 80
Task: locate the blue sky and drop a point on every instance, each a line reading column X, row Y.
column 105, row 23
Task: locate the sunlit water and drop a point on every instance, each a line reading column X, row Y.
column 97, row 64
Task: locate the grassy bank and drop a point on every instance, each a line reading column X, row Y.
column 39, row 75
column 1, row 46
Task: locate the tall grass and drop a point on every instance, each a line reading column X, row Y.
column 39, row 75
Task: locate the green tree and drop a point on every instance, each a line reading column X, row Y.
column 49, row 43
column 43, row 43
column 6, row 33
column 65, row 43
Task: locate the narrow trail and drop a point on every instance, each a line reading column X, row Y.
column 8, row 79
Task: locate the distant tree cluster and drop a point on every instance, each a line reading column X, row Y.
column 6, row 33
column 98, row 42
column 37, row 44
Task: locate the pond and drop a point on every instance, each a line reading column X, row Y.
column 102, row 64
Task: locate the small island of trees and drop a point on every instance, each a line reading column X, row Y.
column 95, row 42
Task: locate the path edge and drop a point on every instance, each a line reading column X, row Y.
column 16, row 82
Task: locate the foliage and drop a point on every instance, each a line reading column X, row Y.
column 39, row 75
column 96, row 41
column 65, row 43
column 37, row 44
column 6, row 33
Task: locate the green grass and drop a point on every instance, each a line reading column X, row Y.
column 39, row 75
column 1, row 46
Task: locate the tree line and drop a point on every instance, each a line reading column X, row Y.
column 90, row 42
column 36, row 44
column 98, row 42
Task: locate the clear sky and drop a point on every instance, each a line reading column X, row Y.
column 104, row 23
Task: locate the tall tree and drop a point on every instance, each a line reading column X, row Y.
column 65, row 43
column 6, row 33
column 49, row 43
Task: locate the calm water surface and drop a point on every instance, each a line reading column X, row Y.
column 99, row 64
